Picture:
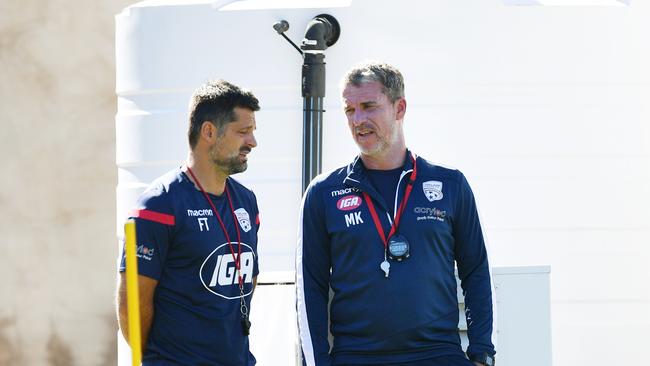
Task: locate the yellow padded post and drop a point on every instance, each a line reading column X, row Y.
column 132, row 293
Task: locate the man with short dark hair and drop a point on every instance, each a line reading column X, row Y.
column 196, row 231
column 384, row 233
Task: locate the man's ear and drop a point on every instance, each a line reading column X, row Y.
column 208, row 131
column 400, row 108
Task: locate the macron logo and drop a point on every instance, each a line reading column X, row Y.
column 348, row 203
column 204, row 212
column 340, row 192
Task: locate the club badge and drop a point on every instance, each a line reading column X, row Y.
column 432, row 190
column 244, row 219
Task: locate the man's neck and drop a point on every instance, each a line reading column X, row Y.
column 389, row 160
column 211, row 179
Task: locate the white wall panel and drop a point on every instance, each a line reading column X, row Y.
column 545, row 109
column 588, row 265
column 588, row 333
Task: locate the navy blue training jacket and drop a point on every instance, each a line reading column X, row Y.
column 413, row 314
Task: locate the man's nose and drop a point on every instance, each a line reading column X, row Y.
column 252, row 141
column 358, row 117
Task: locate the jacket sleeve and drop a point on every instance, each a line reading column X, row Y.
column 312, row 281
column 474, row 272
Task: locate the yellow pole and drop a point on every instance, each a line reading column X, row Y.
column 132, row 295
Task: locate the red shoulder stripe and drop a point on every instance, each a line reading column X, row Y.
column 154, row 216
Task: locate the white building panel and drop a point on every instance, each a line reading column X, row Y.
column 544, row 108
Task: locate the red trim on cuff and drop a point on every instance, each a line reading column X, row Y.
column 257, row 220
column 154, row 216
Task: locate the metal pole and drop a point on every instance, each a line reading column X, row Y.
column 312, row 139
column 322, row 32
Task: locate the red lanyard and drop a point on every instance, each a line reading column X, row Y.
column 398, row 216
column 237, row 257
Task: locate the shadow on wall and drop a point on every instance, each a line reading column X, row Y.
column 9, row 354
column 109, row 356
column 59, row 353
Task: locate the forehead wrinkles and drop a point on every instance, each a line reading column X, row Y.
column 359, row 96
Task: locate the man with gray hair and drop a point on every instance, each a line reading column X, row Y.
column 384, row 233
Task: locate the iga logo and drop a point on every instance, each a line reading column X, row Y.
column 219, row 275
column 348, row 203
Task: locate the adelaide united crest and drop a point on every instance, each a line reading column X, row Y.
column 244, row 219
column 432, row 190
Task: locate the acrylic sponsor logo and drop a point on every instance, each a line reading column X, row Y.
column 348, row 203
column 144, row 252
column 430, row 213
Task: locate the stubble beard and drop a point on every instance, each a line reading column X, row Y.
column 383, row 145
column 230, row 164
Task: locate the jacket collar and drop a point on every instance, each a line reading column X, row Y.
column 356, row 172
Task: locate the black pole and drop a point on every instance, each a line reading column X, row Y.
column 312, row 139
column 322, row 32
column 313, row 84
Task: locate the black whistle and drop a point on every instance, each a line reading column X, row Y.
column 246, row 326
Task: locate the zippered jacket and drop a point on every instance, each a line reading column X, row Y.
column 413, row 313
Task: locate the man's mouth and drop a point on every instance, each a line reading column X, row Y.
column 364, row 130
column 243, row 154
